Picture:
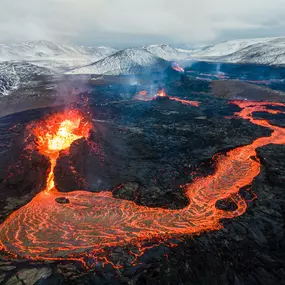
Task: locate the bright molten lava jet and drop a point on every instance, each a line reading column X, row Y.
column 57, row 133
column 44, row 229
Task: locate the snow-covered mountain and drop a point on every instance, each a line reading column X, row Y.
column 228, row 47
column 128, row 61
column 57, row 57
column 269, row 51
column 45, row 49
column 167, row 52
column 14, row 74
column 22, row 63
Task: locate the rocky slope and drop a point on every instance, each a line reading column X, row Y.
column 14, row 74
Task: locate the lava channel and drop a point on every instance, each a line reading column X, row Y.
column 44, row 229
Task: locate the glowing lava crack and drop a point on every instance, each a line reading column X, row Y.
column 45, row 229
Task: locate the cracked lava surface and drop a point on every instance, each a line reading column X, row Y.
column 44, row 229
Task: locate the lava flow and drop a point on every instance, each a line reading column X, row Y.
column 145, row 96
column 44, row 229
column 162, row 94
column 184, row 101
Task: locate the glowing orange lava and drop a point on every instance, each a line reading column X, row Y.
column 177, row 67
column 144, row 96
column 57, row 133
column 184, row 101
column 161, row 93
column 44, row 229
column 143, row 92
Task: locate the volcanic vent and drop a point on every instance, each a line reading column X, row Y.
column 56, row 134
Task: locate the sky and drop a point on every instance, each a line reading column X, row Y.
column 123, row 23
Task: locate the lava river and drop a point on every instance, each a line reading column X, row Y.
column 44, row 229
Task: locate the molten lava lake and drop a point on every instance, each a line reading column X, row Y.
column 137, row 183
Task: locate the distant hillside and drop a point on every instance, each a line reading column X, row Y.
column 269, row 51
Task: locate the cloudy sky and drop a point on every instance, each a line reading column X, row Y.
column 121, row 23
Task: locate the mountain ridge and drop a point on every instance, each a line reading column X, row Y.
column 268, row 51
column 48, row 49
column 127, row 61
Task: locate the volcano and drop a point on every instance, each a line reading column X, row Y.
column 152, row 186
column 100, row 220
